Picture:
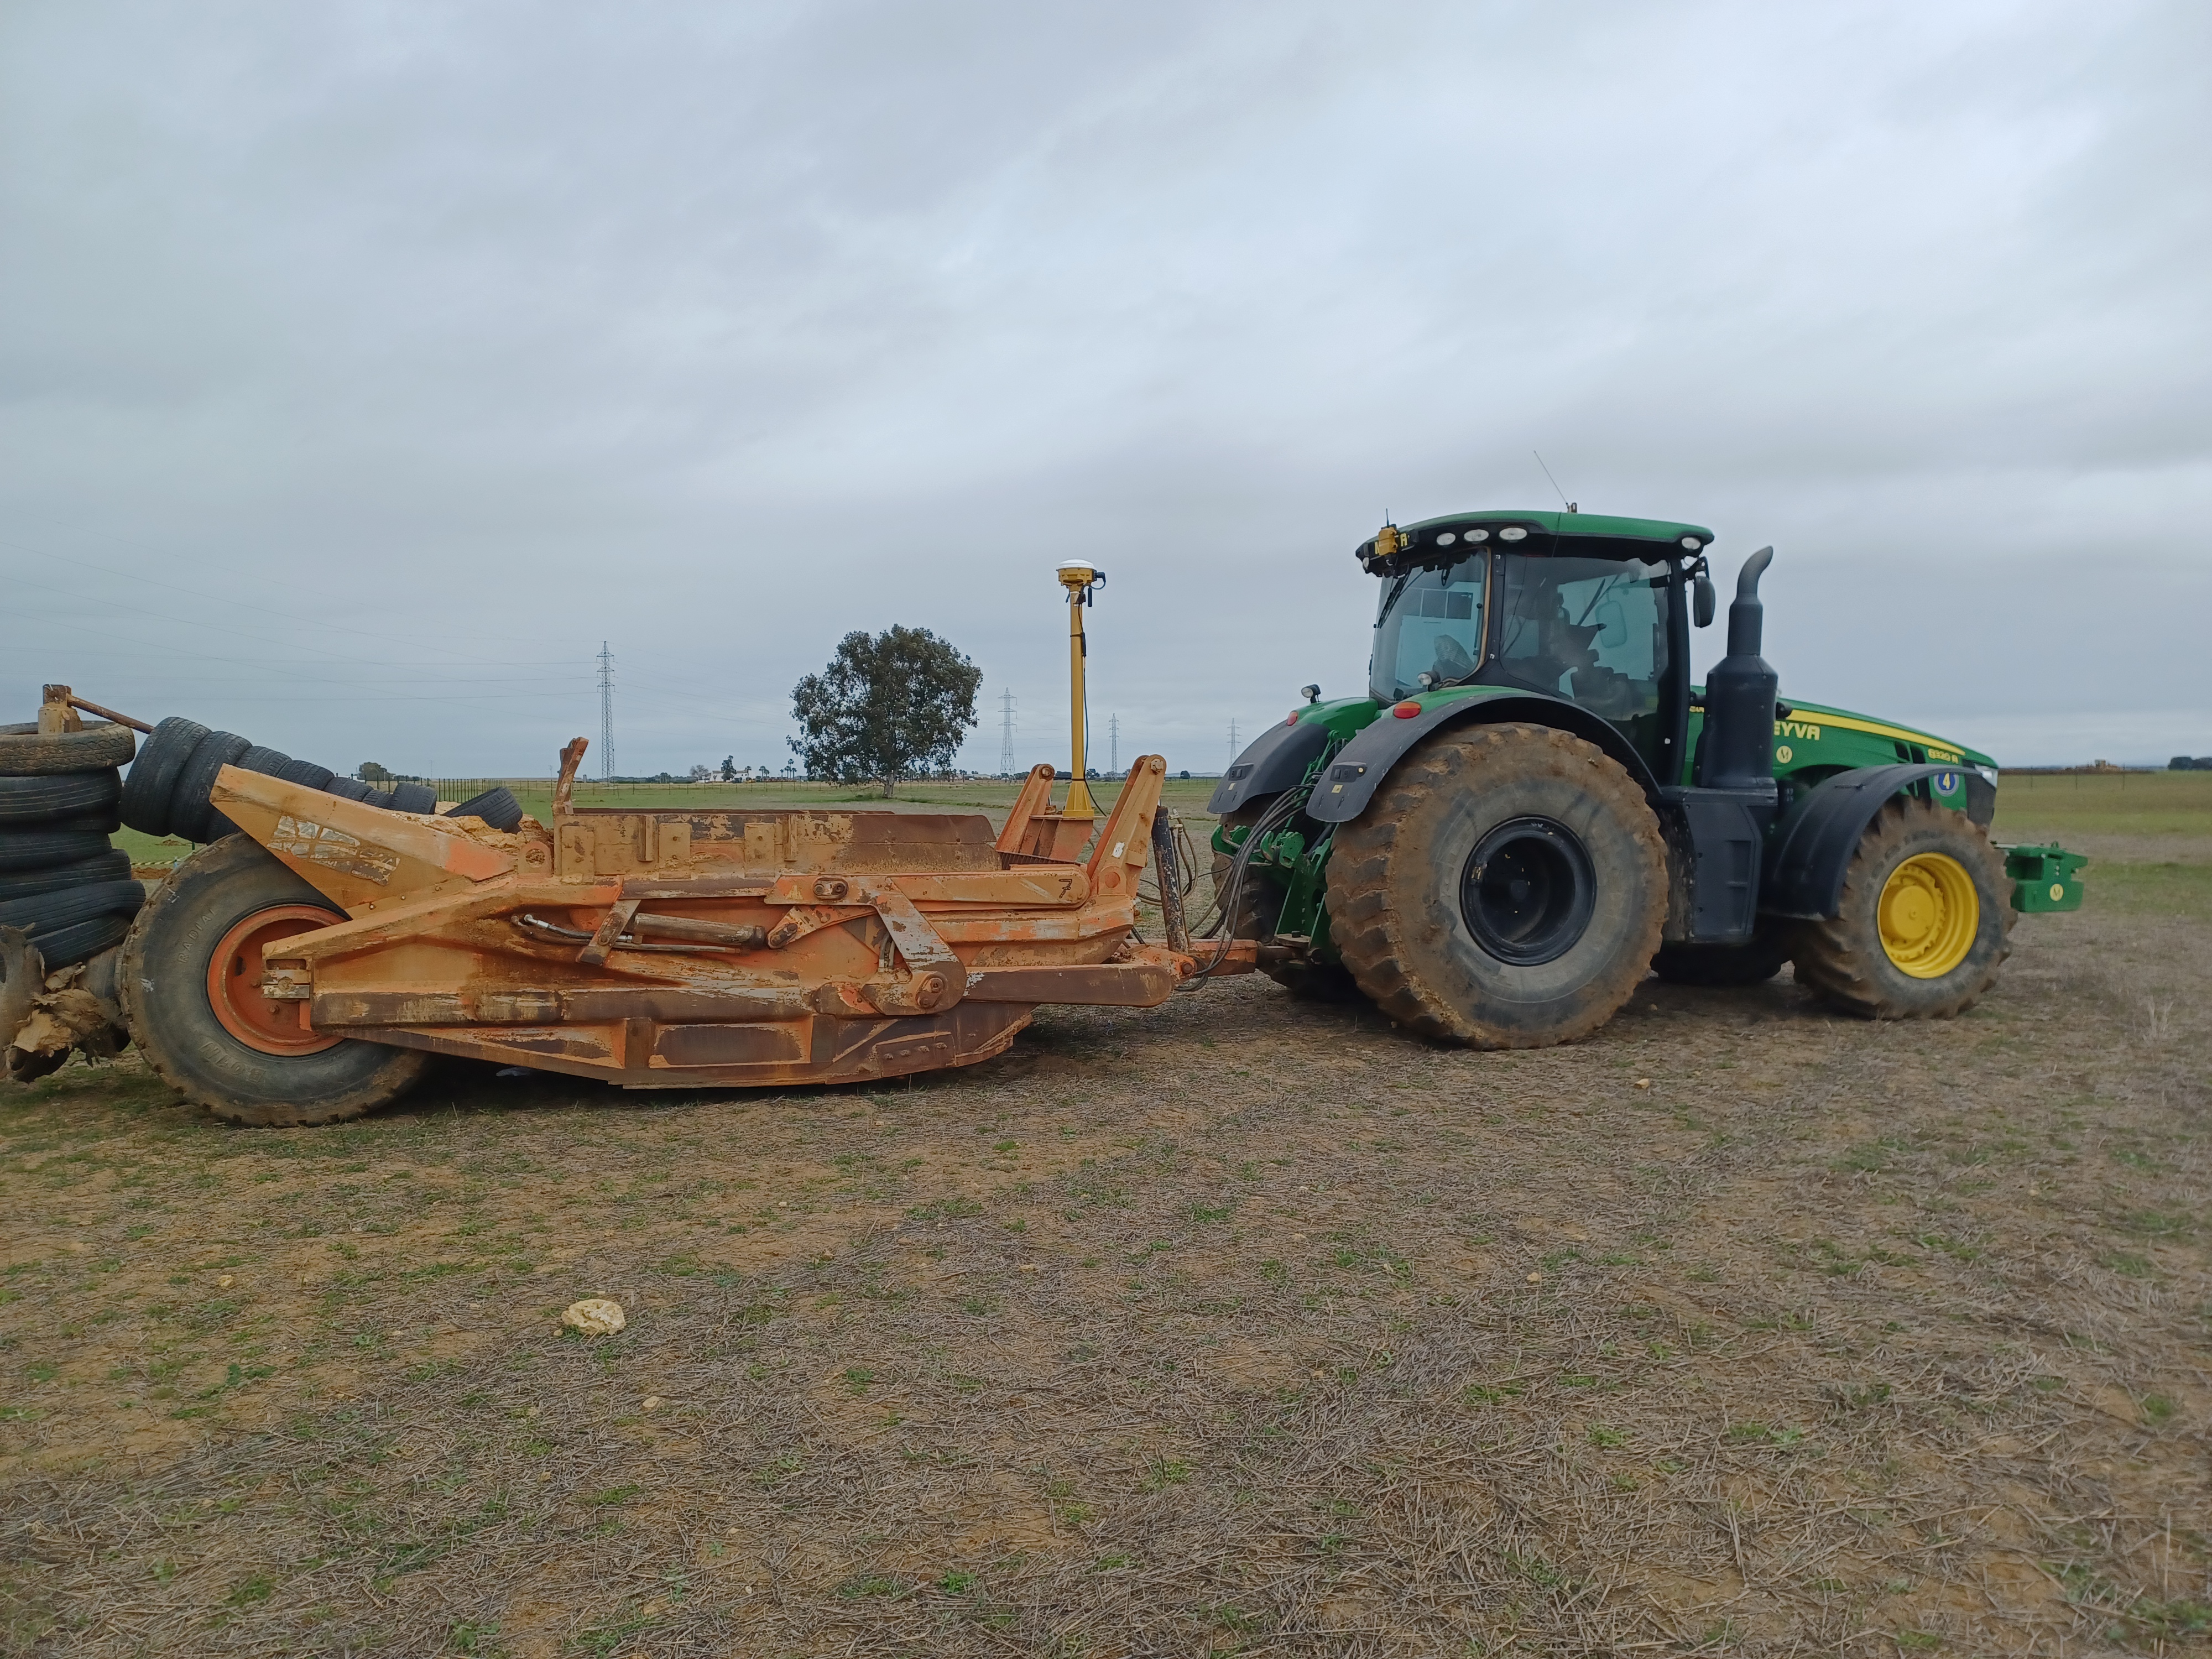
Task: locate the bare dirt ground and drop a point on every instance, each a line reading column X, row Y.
column 1240, row 1325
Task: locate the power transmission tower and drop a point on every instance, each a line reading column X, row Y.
column 606, row 713
column 1235, row 747
column 1114, row 743
column 1006, row 734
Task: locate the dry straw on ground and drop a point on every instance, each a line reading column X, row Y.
column 1239, row 1327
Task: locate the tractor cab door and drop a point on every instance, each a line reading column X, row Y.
column 1596, row 632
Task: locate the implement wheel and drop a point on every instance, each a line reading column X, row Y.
column 1505, row 889
column 191, row 987
column 1924, row 923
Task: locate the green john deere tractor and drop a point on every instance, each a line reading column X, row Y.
column 1533, row 806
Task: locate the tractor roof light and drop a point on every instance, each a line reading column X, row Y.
column 1512, row 532
column 1691, row 543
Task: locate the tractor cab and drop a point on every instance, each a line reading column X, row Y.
column 1582, row 607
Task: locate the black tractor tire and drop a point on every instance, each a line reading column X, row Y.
column 113, row 864
column 269, row 763
column 1310, row 981
column 152, row 777
column 41, row 914
column 52, row 845
column 1845, row 959
column 80, row 941
column 305, row 773
column 165, row 996
column 347, row 789
column 192, row 814
column 1505, row 889
column 42, row 799
column 414, row 798
column 496, row 807
column 25, row 754
column 1726, row 966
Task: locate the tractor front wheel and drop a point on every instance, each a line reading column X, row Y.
column 190, row 989
column 1923, row 923
column 1505, row 889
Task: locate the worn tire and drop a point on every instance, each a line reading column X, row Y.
column 153, row 779
column 347, row 789
column 67, row 947
column 165, row 994
column 1310, row 981
column 24, row 753
column 1725, row 965
column 192, row 814
column 305, row 773
column 1843, row 959
column 52, row 845
column 42, row 799
column 113, row 864
column 496, row 807
column 414, row 798
column 40, row 913
column 1400, row 873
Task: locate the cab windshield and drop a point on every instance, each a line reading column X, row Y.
column 1429, row 630
column 1593, row 631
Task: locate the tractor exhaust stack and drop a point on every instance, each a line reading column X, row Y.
column 1737, row 751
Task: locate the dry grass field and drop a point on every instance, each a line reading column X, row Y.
column 1239, row 1326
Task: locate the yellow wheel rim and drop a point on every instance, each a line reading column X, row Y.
column 1929, row 913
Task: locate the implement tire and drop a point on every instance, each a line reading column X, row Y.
column 1725, row 966
column 152, row 777
column 113, row 864
column 53, row 844
column 1925, row 922
column 192, row 813
column 1505, row 889
column 25, row 753
column 242, row 1060
column 45, row 798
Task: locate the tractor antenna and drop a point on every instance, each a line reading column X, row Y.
column 1572, row 507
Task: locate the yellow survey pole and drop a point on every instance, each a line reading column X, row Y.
column 1079, row 579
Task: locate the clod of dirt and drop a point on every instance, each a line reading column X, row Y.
column 595, row 1316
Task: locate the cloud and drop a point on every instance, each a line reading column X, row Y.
column 363, row 366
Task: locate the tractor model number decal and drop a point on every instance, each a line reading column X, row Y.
column 1947, row 783
column 319, row 843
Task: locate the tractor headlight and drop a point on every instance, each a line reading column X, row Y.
column 1990, row 774
column 1512, row 532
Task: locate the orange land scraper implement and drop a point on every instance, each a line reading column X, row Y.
column 306, row 969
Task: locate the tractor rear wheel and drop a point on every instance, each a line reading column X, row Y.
column 1923, row 923
column 1313, row 981
column 1505, row 889
column 191, row 987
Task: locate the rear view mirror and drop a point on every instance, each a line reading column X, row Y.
column 1702, row 605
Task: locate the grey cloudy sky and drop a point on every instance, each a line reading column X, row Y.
column 363, row 366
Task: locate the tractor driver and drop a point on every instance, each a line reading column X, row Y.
column 1548, row 651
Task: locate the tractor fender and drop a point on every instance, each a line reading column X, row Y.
column 1274, row 761
column 1361, row 765
column 1813, row 843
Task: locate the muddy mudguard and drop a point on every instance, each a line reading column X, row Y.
column 1271, row 763
column 1814, row 844
column 1362, row 764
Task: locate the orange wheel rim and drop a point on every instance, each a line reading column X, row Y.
column 233, row 983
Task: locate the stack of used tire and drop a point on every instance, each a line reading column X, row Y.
column 60, row 882
column 167, row 791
